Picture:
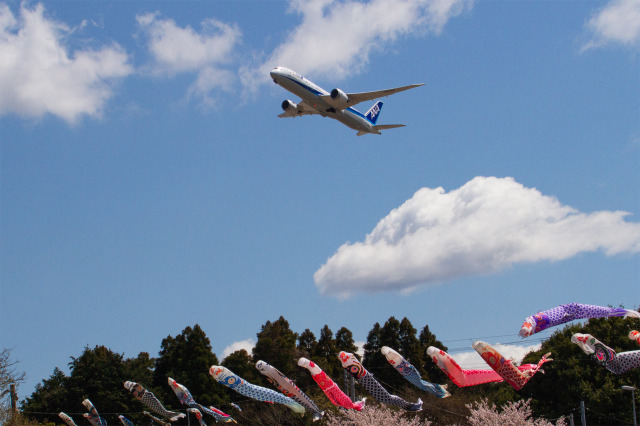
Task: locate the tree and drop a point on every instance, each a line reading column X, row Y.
column 187, row 358
column 326, row 354
column 344, row 341
column 276, row 345
column 374, row 361
column 433, row 373
column 98, row 374
column 410, row 347
column 307, row 343
column 9, row 377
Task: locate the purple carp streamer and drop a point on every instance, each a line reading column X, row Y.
column 328, row 386
column 366, row 379
column 93, row 416
column 569, row 312
column 617, row 363
column 236, row 406
column 289, row 388
column 411, row 374
column 125, row 421
column 150, row 400
column 185, row 397
column 155, row 419
column 505, row 368
column 67, row 419
column 226, row 377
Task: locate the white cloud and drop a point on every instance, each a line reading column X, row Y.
column 39, row 75
column 486, row 225
column 472, row 360
column 617, row 22
column 247, row 345
column 336, row 38
column 178, row 50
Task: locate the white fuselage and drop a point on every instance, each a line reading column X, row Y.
column 311, row 92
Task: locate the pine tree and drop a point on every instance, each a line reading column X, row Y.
column 187, row 358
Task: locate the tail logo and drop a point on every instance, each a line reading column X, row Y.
column 372, row 114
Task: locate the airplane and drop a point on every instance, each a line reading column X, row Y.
column 335, row 104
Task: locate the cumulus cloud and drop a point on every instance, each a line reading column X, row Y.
column 206, row 53
column 247, row 345
column 618, row 22
column 39, row 75
column 335, row 38
column 484, row 226
column 472, row 360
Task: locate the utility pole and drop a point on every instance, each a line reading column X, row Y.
column 14, row 400
column 571, row 420
column 633, row 401
column 353, row 389
column 583, row 417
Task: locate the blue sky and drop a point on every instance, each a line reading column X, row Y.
column 148, row 185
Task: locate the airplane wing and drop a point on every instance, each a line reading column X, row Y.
column 299, row 109
column 356, row 98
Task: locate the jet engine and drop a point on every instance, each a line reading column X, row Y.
column 289, row 106
column 339, row 97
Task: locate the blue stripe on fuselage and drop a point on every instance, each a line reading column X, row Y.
column 318, row 93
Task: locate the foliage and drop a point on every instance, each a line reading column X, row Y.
column 97, row 374
column 516, row 413
column 432, row 372
column 307, row 343
column 344, row 341
column 186, row 358
column 277, row 345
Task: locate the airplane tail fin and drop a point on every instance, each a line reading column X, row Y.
column 374, row 112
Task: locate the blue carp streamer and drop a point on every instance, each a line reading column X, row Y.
column 357, row 370
column 617, row 363
column 226, row 377
column 150, row 400
column 411, row 373
column 185, row 397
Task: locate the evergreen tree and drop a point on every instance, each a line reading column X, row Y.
column 276, row 345
column 375, row 361
column 326, row 353
column 97, row 374
column 432, row 371
column 50, row 395
column 186, row 358
column 344, row 341
column 307, row 343
column 372, row 347
column 410, row 347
